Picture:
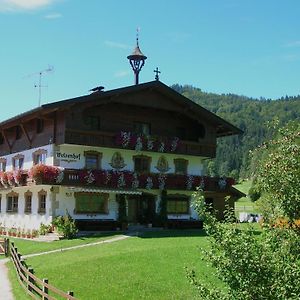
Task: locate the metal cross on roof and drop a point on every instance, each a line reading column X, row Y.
column 157, row 72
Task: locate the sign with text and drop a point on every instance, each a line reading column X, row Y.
column 68, row 157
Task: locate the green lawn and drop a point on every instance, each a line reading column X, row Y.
column 245, row 204
column 147, row 267
column 30, row 246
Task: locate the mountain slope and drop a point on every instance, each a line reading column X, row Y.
column 250, row 115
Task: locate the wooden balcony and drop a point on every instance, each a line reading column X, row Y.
column 128, row 180
column 110, row 179
column 108, row 139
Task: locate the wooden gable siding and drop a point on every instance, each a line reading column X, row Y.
column 119, row 117
column 120, row 114
column 53, row 131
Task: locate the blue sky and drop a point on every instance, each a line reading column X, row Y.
column 246, row 47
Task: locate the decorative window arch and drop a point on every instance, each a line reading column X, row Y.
column 39, row 157
column 2, row 164
column 142, row 163
column 92, row 159
column 42, row 199
column 28, row 202
column 12, row 200
column 181, row 166
column 18, row 162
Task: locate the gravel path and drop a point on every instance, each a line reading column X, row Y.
column 5, row 286
column 115, row 239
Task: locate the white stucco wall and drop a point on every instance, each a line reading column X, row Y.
column 28, row 159
column 23, row 220
column 66, row 200
column 195, row 164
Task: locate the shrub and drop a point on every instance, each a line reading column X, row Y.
column 65, row 225
column 254, row 193
column 251, row 267
column 44, row 229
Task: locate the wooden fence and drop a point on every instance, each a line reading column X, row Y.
column 35, row 287
column 4, row 243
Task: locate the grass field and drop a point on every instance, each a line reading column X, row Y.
column 151, row 266
column 245, row 204
column 30, row 246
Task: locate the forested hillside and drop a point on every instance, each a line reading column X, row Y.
column 250, row 115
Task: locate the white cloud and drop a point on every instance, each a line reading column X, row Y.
column 53, row 16
column 121, row 73
column 293, row 44
column 117, row 45
column 23, row 5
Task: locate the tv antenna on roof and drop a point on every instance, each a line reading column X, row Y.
column 39, row 85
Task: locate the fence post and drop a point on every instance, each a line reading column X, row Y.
column 45, row 289
column 6, row 246
column 70, row 293
column 30, row 270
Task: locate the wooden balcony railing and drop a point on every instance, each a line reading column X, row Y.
column 43, row 174
column 108, row 139
column 129, row 180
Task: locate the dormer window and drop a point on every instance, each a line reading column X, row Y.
column 2, row 164
column 39, row 157
column 17, row 162
column 92, row 122
column 141, row 128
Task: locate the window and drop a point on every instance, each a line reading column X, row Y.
column 92, row 160
column 92, row 122
column 18, row 132
column 181, row 133
column 142, row 164
column 141, row 128
column 201, row 131
column 1, row 139
column 39, row 157
column 39, row 125
column 91, row 203
column 2, row 164
column 178, row 205
column 17, row 162
column 28, row 202
column 42, row 202
column 12, row 203
column 181, row 165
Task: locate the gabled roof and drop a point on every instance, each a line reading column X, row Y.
column 224, row 128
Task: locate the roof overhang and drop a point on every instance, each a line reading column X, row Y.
column 224, row 128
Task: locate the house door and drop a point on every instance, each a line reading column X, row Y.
column 141, row 208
